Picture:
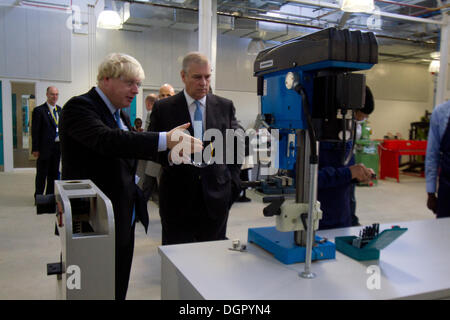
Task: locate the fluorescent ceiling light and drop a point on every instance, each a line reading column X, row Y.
column 435, row 55
column 434, row 66
column 357, row 5
column 109, row 18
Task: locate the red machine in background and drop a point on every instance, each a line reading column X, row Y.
column 390, row 152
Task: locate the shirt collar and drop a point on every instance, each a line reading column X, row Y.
column 105, row 99
column 191, row 100
column 50, row 106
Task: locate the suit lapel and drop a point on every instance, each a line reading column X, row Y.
column 102, row 107
column 184, row 115
column 211, row 107
column 126, row 119
column 110, row 121
column 58, row 111
column 50, row 119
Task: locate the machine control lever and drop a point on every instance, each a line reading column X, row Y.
column 274, row 208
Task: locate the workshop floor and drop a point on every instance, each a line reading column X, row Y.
column 27, row 242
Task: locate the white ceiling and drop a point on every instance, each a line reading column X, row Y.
column 407, row 30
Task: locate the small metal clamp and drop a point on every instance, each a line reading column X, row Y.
column 237, row 246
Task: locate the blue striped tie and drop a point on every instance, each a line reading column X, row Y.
column 119, row 123
column 198, row 121
column 117, row 117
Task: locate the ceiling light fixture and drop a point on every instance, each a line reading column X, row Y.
column 109, row 18
column 434, row 66
column 357, row 5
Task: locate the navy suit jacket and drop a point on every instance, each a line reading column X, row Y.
column 43, row 130
column 220, row 182
column 93, row 147
column 334, row 185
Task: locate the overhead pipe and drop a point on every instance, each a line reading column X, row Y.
column 421, row 13
column 328, row 5
column 46, row 5
column 403, row 4
column 291, row 23
column 433, row 11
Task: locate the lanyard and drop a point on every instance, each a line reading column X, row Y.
column 53, row 116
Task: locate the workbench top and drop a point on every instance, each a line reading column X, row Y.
column 416, row 265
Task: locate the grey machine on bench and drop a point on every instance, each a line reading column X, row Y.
column 85, row 223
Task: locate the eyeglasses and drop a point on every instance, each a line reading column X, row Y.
column 131, row 83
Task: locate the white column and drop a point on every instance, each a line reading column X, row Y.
column 442, row 83
column 92, row 36
column 207, row 34
column 8, row 159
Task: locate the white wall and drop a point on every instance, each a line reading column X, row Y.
column 402, row 91
column 246, row 104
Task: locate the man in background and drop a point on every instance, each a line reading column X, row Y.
column 45, row 142
column 437, row 162
column 165, row 91
column 152, row 170
column 336, row 180
column 149, row 102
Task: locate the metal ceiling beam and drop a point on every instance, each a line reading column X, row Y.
column 285, row 22
column 344, row 19
column 321, row 4
column 403, row 4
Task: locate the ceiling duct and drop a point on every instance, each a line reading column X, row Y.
column 242, row 27
column 185, row 20
column 399, row 39
column 142, row 15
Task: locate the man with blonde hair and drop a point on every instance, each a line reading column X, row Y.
column 97, row 143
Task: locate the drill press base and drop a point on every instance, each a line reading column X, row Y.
column 283, row 247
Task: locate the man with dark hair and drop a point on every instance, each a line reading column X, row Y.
column 336, row 181
column 360, row 116
column 194, row 200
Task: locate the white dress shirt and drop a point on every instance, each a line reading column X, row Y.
column 192, row 106
column 162, row 143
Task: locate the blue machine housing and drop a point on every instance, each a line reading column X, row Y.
column 323, row 54
column 285, row 106
column 284, row 249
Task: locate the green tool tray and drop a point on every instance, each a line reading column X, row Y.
column 370, row 251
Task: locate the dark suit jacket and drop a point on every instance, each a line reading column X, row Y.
column 93, row 147
column 220, row 182
column 43, row 130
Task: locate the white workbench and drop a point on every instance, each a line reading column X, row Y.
column 416, row 265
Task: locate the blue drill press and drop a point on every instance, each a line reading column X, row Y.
column 308, row 91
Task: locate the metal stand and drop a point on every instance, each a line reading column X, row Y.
column 303, row 193
column 307, row 274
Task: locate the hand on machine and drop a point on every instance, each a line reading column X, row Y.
column 360, row 173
